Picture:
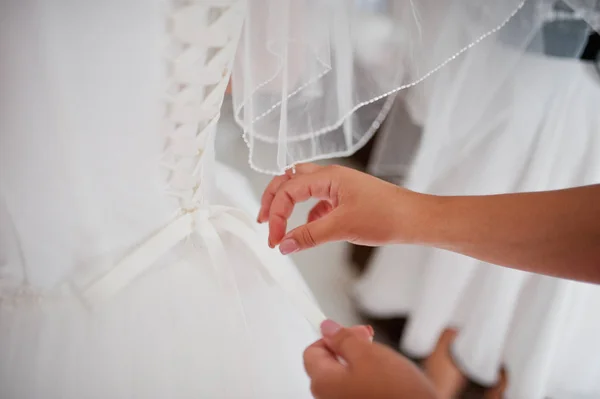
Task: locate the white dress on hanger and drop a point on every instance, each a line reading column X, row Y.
column 126, row 271
column 537, row 131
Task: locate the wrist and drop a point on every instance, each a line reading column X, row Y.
column 419, row 218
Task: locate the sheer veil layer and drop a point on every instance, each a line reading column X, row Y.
column 314, row 79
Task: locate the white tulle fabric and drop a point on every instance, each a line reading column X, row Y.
column 508, row 116
column 313, row 78
column 126, row 271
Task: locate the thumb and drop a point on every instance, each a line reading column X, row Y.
column 348, row 343
column 311, row 234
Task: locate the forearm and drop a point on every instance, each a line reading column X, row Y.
column 555, row 233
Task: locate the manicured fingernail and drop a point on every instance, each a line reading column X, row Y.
column 329, row 328
column 289, row 246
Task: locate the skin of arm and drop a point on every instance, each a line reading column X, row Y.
column 555, row 233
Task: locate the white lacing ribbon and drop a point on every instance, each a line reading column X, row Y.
column 205, row 223
column 191, row 118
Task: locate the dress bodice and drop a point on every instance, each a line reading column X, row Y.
column 107, row 115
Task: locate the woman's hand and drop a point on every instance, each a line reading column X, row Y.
column 354, row 207
column 367, row 370
column 510, row 229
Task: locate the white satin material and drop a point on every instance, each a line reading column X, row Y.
column 204, row 223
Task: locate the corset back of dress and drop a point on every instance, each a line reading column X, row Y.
column 107, row 121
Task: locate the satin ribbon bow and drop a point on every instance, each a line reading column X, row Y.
column 207, row 222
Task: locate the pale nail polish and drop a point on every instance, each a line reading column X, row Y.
column 330, row 328
column 289, row 246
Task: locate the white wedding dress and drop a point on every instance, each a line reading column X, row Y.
column 127, row 269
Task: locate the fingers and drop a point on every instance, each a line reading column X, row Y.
column 304, row 168
column 268, row 195
column 311, row 234
column 319, row 359
column 328, row 371
column 365, row 333
column 276, row 182
column 329, row 328
column 324, row 369
column 299, row 189
column 351, row 344
column 319, row 210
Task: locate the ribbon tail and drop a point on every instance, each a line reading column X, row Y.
column 227, row 219
column 138, row 261
column 295, row 293
column 224, row 271
column 235, row 329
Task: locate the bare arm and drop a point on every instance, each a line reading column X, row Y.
column 553, row 232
